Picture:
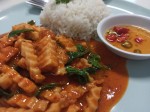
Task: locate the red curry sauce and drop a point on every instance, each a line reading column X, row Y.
column 116, row 82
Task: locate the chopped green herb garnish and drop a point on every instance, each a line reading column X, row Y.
column 112, row 32
column 18, row 32
column 80, row 48
column 32, row 22
column 91, row 69
column 81, row 51
column 94, row 60
column 62, row 1
column 82, row 75
column 45, row 87
column 4, row 93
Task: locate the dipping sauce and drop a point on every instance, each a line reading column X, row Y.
column 129, row 38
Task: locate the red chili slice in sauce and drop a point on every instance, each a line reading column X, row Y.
column 121, row 39
column 138, row 39
column 125, row 35
column 111, row 37
column 120, row 30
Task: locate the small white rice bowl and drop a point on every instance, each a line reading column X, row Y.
column 76, row 19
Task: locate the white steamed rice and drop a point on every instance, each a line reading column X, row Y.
column 78, row 18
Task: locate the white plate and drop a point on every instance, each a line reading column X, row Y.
column 137, row 95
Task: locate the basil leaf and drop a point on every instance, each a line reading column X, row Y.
column 81, row 51
column 81, row 75
column 91, row 69
column 32, row 22
column 94, row 60
column 18, row 32
column 80, row 48
column 4, row 93
column 45, row 87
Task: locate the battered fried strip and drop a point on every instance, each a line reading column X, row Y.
column 33, row 103
column 62, row 60
column 82, row 63
column 52, row 57
column 5, row 41
column 5, row 81
column 92, row 99
column 54, row 107
column 73, row 108
column 11, row 109
column 18, row 100
column 71, row 94
column 35, row 35
column 63, row 98
column 22, row 63
column 57, row 65
column 67, row 43
column 24, row 83
column 48, row 60
column 20, row 39
column 7, row 53
column 28, row 52
column 44, row 32
column 52, row 96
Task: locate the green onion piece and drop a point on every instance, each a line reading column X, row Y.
column 138, row 51
column 32, row 22
column 18, row 32
column 45, row 87
column 4, row 93
column 127, row 44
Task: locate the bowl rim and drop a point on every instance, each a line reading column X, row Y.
column 100, row 35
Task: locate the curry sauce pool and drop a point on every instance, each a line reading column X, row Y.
column 116, row 82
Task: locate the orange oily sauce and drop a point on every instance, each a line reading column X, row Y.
column 136, row 32
column 116, row 82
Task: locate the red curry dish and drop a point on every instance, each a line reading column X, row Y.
column 44, row 72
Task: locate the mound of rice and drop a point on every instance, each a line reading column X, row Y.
column 76, row 19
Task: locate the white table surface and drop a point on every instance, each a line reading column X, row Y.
column 4, row 4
